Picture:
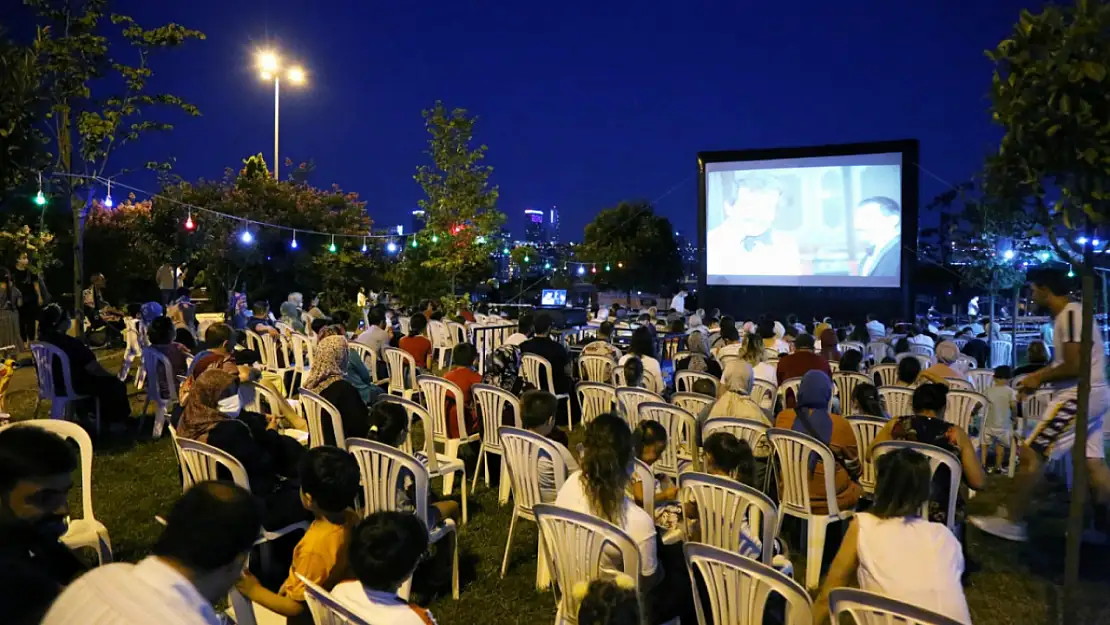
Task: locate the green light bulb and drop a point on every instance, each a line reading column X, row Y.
column 40, row 199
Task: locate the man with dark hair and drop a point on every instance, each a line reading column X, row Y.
column 537, row 414
column 36, row 475
column 329, row 483
column 544, row 346
column 878, row 222
column 201, row 553
column 602, row 344
column 1054, row 435
column 462, row 375
column 377, row 337
column 803, row 360
column 385, row 550
column 220, row 340
column 523, row 331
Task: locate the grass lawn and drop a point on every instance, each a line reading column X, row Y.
column 1017, row 584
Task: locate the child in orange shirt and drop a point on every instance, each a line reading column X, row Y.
column 463, row 376
column 416, row 343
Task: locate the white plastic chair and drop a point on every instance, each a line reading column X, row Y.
column 435, row 391
column 738, row 588
column 846, row 382
column 770, row 354
column 438, row 465
column 383, row 471
column 872, row 608
column 887, row 374
column 254, row 341
column 404, row 323
column 898, row 400
column 764, row 393
column 595, row 399
column 962, row 406
column 490, row 402
column 723, row 506
column 441, row 342
column 793, row 449
column 925, row 360
column 1001, row 351
column 315, row 408
column 959, row 384
column 834, row 366
column 866, row 428
column 575, row 545
column 157, row 382
column 325, row 609
column 877, row 350
column 61, row 406
column 274, row 355
column 369, row 358
column 787, row 387
column 302, row 350
column 534, row 367
column 593, row 368
column 982, row 379
column 681, row 431
column 1032, row 410
column 522, row 457
column 643, row 474
column 132, row 350
column 937, row 457
column 923, row 350
column 86, row 531
column 964, row 363
column 630, row 398
column 684, row 380
column 693, row 403
column 402, row 372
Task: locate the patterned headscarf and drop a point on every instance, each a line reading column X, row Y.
column 201, row 413
column 329, row 364
column 502, row 368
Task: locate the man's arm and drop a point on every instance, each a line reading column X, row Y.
column 1066, row 370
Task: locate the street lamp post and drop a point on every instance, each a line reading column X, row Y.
column 270, row 67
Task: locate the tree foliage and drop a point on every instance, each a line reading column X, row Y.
column 460, row 207
column 22, row 144
column 632, row 235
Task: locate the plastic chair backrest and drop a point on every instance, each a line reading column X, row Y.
column 436, row 391
column 961, row 406
column 748, row 430
column 592, row 368
column 159, row 380
column 653, row 382
column 852, row 345
column 629, row 399
column 205, row 461
column 270, row 352
column 871, row 608
column 866, row 428
column 1033, row 406
column 724, row 505
column 1001, row 350
column 70, row 432
column 969, row 363
column 887, row 374
column 260, row 398
column 595, row 399
column 325, row 609
column 457, row 332
column 187, row 479
column 419, row 413
column 770, row 353
column 982, row 379
column 399, row 362
column 490, row 402
column 576, row 547
column 959, row 384
column 369, row 358
column 44, row 355
column 643, row 474
column 302, row 351
column 898, row 400
column 937, row 457
column 693, row 403
column 877, row 350
column 315, row 408
column 793, row 451
column 521, row 450
column 923, row 350
column 383, row 470
column 846, row 383
column 404, row 323
column 739, row 587
column 681, row 430
column 537, row 370
column 684, row 380
column 787, row 388
column 764, row 393
column 255, row 342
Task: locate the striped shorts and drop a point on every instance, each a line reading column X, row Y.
column 1054, row 436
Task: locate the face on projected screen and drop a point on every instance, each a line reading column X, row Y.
column 752, row 210
column 878, row 227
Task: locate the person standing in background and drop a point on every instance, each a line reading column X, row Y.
column 34, row 294
column 167, row 282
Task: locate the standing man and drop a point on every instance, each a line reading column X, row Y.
column 167, row 282
column 1054, row 436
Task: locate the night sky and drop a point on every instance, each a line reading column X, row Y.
column 583, row 104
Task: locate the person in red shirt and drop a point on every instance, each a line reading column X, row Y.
column 463, row 376
column 803, row 360
column 416, row 343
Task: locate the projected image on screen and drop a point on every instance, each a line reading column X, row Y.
column 828, row 221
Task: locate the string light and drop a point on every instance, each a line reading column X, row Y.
column 414, row 242
column 189, row 224
column 547, row 265
column 246, row 237
column 40, row 198
column 606, row 266
column 435, row 238
column 391, row 247
column 293, row 241
column 505, row 251
column 525, row 258
column 480, row 240
column 581, row 270
column 331, row 246
column 364, row 245
column 108, row 203
column 593, row 269
column 620, row 265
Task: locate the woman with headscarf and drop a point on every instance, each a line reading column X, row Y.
column 811, row 416
column 328, row 380
column 734, row 400
column 213, row 414
column 291, row 316
column 502, row 369
column 829, row 348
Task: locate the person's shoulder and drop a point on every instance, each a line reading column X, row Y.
column 639, row 524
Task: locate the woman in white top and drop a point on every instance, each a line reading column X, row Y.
column 892, row 551
column 642, row 346
column 752, row 353
column 599, row 489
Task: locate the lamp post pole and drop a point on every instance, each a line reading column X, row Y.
column 277, row 126
column 270, row 66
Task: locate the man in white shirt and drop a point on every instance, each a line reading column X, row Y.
column 199, row 557
column 678, row 302
column 875, row 328
column 376, row 337
column 523, row 330
column 1055, row 434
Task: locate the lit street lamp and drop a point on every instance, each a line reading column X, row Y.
column 270, row 67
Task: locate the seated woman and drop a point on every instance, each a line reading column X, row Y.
column 161, row 335
column 928, row 426
column 851, row 361
column 908, row 371
column 811, row 416
column 357, row 372
column 892, row 551
column 213, row 414
column 870, row 404
column 734, row 400
column 643, row 347
column 752, row 353
column 291, row 316
column 86, row 373
column 328, row 380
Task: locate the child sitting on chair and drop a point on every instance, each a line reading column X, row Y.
column 649, row 440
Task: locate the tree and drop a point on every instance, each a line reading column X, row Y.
column 21, row 107
column 460, row 210
column 99, row 102
column 1049, row 95
column 633, row 249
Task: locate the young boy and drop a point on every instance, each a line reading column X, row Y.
column 704, row 387
column 999, row 423
column 463, row 375
column 329, row 483
column 537, row 414
column 385, row 549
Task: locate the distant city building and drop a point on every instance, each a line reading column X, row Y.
column 534, row 226
column 418, row 221
column 553, row 225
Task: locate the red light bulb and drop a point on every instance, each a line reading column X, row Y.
column 189, row 225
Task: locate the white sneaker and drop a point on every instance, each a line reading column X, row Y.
column 1001, row 527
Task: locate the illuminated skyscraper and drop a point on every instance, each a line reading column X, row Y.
column 553, row 225
column 418, row 222
column 533, row 226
